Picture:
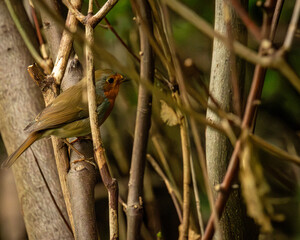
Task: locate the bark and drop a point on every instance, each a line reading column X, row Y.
column 143, row 120
column 81, row 180
column 218, row 148
column 10, row 211
column 20, row 102
column 51, row 30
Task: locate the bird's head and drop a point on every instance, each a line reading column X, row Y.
column 108, row 83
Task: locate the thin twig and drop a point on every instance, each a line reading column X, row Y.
column 95, row 19
column 111, row 28
column 276, row 151
column 36, row 24
column 163, row 160
column 168, row 184
column 271, row 61
column 292, row 27
column 197, row 198
column 275, row 20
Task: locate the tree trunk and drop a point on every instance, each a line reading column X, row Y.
column 233, row 224
column 20, row 102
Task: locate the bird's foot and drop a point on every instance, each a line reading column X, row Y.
column 76, row 139
column 88, row 160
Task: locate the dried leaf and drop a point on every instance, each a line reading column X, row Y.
column 192, row 234
column 168, row 115
column 255, row 188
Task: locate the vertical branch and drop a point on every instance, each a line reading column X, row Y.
column 218, row 147
column 110, row 183
column 184, row 232
column 143, row 120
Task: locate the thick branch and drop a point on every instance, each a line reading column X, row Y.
column 81, row 181
column 143, row 120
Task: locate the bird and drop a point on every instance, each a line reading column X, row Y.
column 68, row 115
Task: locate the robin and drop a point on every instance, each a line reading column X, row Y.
column 68, row 115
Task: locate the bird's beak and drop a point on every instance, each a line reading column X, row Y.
column 123, row 79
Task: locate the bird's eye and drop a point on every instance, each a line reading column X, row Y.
column 110, row 80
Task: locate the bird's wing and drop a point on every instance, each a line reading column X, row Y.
column 69, row 106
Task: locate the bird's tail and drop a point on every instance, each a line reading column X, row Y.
column 26, row 144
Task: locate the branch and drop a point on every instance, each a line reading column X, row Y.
column 81, row 180
column 94, row 20
column 143, row 120
column 109, row 182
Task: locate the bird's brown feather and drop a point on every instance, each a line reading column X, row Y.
column 59, row 108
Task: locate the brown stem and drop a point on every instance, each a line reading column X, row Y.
column 110, row 183
column 36, row 24
column 143, row 120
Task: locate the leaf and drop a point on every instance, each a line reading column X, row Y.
column 168, row 115
column 255, row 188
column 192, row 234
